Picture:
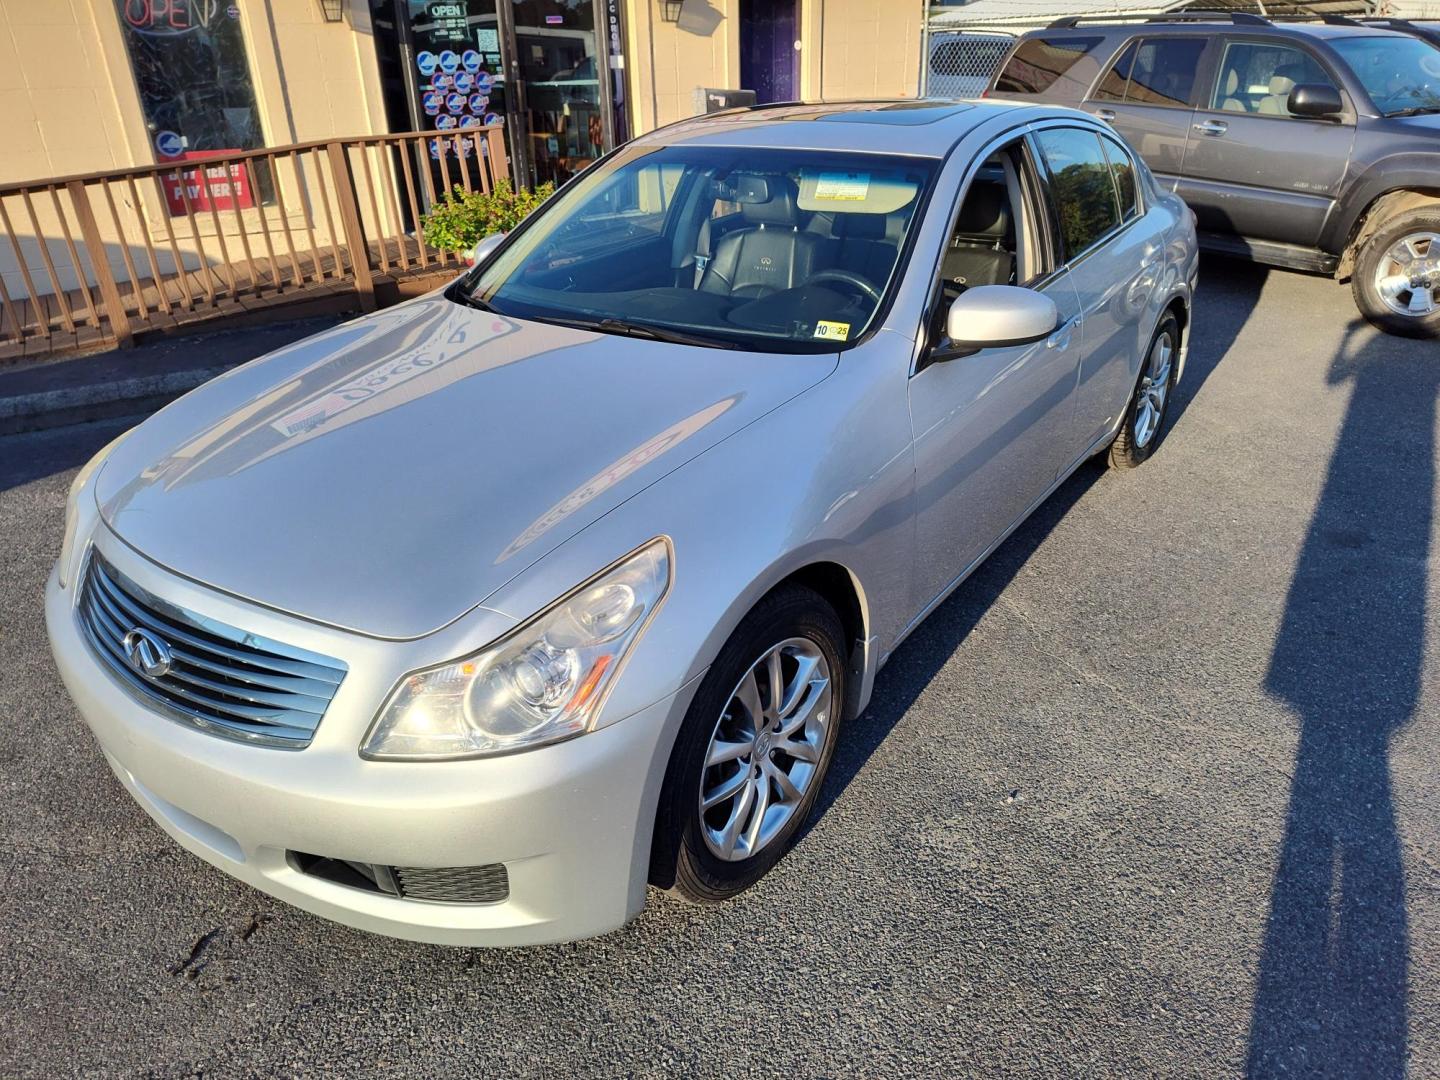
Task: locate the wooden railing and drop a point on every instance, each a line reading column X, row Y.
column 96, row 259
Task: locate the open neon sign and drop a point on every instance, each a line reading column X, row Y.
column 170, row 16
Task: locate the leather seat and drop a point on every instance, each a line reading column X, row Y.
column 1231, row 103
column 1281, row 83
column 865, row 244
column 981, row 251
column 769, row 252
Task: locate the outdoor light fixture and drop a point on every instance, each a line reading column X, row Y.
column 670, row 10
column 333, row 10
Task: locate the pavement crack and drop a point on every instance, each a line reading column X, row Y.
column 195, row 963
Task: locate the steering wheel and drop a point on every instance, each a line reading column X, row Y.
column 845, row 277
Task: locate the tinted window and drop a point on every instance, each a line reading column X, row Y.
column 1163, row 72
column 1038, row 62
column 1112, row 86
column 1122, row 167
column 1257, row 77
column 1081, row 186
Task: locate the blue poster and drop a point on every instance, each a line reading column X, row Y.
column 442, row 82
column 484, row 81
column 445, row 123
column 479, row 103
column 456, row 103
column 464, row 82
column 432, row 102
column 449, row 61
column 470, row 122
column 470, row 60
column 168, row 144
column 426, row 63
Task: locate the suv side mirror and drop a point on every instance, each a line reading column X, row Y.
column 993, row 316
column 481, row 251
column 1317, row 100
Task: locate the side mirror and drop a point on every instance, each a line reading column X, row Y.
column 1318, row 100
column 993, row 316
column 481, row 251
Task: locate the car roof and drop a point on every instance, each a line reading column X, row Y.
column 915, row 127
column 1207, row 27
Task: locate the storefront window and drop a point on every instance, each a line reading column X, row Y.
column 193, row 75
column 459, row 77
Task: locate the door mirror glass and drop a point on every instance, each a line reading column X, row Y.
column 993, row 316
column 1315, row 99
column 481, row 251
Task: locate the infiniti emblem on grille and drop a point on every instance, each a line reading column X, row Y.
column 146, row 653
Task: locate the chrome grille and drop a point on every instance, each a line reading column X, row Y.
column 488, row 884
column 220, row 679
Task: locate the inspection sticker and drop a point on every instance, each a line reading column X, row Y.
column 832, row 331
column 842, row 186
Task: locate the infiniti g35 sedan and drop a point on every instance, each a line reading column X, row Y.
column 465, row 621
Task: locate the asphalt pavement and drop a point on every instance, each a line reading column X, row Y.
column 1155, row 793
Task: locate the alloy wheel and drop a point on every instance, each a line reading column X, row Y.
column 765, row 752
column 1154, row 388
column 1407, row 278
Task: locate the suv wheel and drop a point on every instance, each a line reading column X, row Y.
column 753, row 751
column 1397, row 275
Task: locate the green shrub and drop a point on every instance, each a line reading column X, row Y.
column 463, row 218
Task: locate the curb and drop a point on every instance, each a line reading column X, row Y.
column 81, row 404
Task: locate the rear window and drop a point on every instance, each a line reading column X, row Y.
column 1156, row 71
column 1035, row 66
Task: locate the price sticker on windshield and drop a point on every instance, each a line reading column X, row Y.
column 832, row 331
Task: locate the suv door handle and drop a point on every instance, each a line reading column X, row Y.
column 1107, row 115
column 1212, row 127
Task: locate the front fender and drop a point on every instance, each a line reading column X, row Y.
column 1411, row 171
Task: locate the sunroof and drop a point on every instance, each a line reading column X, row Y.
column 903, row 113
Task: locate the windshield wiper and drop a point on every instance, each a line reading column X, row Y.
column 470, row 300
column 1414, row 110
column 626, row 328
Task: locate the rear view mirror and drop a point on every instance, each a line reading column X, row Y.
column 1315, row 100
column 993, row 316
column 481, row 251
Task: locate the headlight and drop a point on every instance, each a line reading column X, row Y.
column 75, row 514
column 540, row 683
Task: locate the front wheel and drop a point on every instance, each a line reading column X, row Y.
column 1144, row 421
column 1397, row 275
column 753, row 750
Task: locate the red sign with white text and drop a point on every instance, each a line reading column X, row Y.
column 221, row 187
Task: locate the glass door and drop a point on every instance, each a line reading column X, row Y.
column 562, row 83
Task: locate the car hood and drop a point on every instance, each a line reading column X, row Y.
column 388, row 475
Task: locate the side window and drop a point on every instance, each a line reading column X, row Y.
column 1037, row 63
column 1163, row 72
column 1122, row 167
column 1257, row 77
column 996, row 238
column 1081, row 186
column 1113, row 86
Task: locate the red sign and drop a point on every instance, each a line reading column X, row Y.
column 222, row 187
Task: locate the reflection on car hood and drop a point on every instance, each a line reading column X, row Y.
column 390, row 474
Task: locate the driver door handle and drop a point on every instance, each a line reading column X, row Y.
column 1108, row 115
column 1212, row 127
column 1060, row 339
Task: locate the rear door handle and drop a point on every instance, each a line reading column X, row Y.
column 1108, row 115
column 1212, row 127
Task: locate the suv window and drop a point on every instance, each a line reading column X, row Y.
column 1154, row 71
column 1038, row 62
column 1257, row 77
column 1081, row 186
column 1122, row 167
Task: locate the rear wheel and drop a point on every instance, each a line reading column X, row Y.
column 1397, row 275
column 1144, row 421
column 753, row 750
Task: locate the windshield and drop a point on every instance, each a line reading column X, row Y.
column 1401, row 74
column 774, row 250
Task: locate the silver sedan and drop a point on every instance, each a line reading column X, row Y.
column 465, row 621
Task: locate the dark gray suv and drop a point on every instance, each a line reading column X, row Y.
column 1311, row 146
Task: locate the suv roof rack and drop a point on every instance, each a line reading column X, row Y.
column 1241, row 18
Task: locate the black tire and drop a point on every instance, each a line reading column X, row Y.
column 1362, row 283
column 1129, row 450
column 680, row 860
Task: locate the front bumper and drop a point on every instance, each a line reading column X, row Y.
column 571, row 822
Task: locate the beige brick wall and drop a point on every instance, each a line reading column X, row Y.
column 849, row 49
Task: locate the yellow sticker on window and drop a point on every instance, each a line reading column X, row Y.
column 832, row 331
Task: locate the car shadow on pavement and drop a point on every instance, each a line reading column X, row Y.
column 1331, row 992
column 1229, row 298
